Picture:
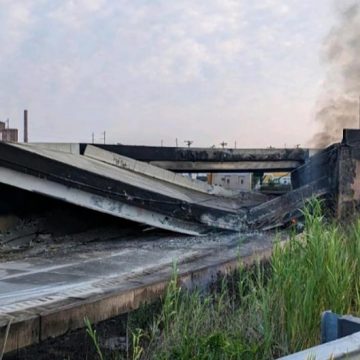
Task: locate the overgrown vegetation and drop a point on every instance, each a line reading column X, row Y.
column 266, row 311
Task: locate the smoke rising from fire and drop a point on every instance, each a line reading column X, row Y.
column 338, row 106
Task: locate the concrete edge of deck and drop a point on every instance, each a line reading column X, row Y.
column 39, row 323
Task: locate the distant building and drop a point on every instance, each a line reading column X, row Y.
column 280, row 178
column 8, row 135
column 232, row 181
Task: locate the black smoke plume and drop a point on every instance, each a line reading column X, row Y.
column 338, row 107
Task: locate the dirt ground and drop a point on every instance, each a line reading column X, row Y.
column 113, row 337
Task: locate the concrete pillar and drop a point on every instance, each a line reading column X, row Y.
column 348, row 175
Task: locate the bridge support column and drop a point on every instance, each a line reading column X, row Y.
column 348, row 175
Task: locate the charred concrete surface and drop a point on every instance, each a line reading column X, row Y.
column 348, row 175
column 46, row 297
column 113, row 184
column 122, row 187
column 37, row 226
column 54, row 271
column 96, row 178
column 321, row 166
column 337, row 168
column 153, row 153
column 120, row 192
column 282, row 210
column 212, row 160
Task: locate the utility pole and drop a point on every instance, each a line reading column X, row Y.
column 223, row 144
column 235, row 144
column 188, row 142
column 176, row 142
column 8, row 122
column 104, row 137
column 93, row 138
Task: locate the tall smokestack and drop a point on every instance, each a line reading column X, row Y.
column 26, row 138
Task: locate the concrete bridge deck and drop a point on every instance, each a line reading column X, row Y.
column 44, row 297
column 181, row 159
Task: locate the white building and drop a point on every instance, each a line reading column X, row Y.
column 232, row 181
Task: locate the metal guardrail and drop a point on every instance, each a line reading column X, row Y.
column 334, row 326
column 340, row 336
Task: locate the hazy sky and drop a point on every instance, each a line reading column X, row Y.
column 149, row 70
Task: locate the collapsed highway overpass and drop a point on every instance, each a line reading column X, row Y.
column 101, row 179
column 49, row 294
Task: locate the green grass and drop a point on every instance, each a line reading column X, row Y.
column 266, row 311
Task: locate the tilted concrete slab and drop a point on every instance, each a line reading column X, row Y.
column 174, row 190
column 121, row 192
column 43, row 298
column 137, row 191
column 98, row 203
column 155, row 172
column 72, row 148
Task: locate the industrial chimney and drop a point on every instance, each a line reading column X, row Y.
column 26, row 138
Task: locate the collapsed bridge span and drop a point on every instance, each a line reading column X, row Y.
column 96, row 178
column 133, row 195
column 101, row 180
column 48, row 294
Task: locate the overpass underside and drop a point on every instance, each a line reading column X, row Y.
column 212, row 160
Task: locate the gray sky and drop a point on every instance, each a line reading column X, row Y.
column 144, row 70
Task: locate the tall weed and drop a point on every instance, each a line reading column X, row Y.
column 272, row 310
